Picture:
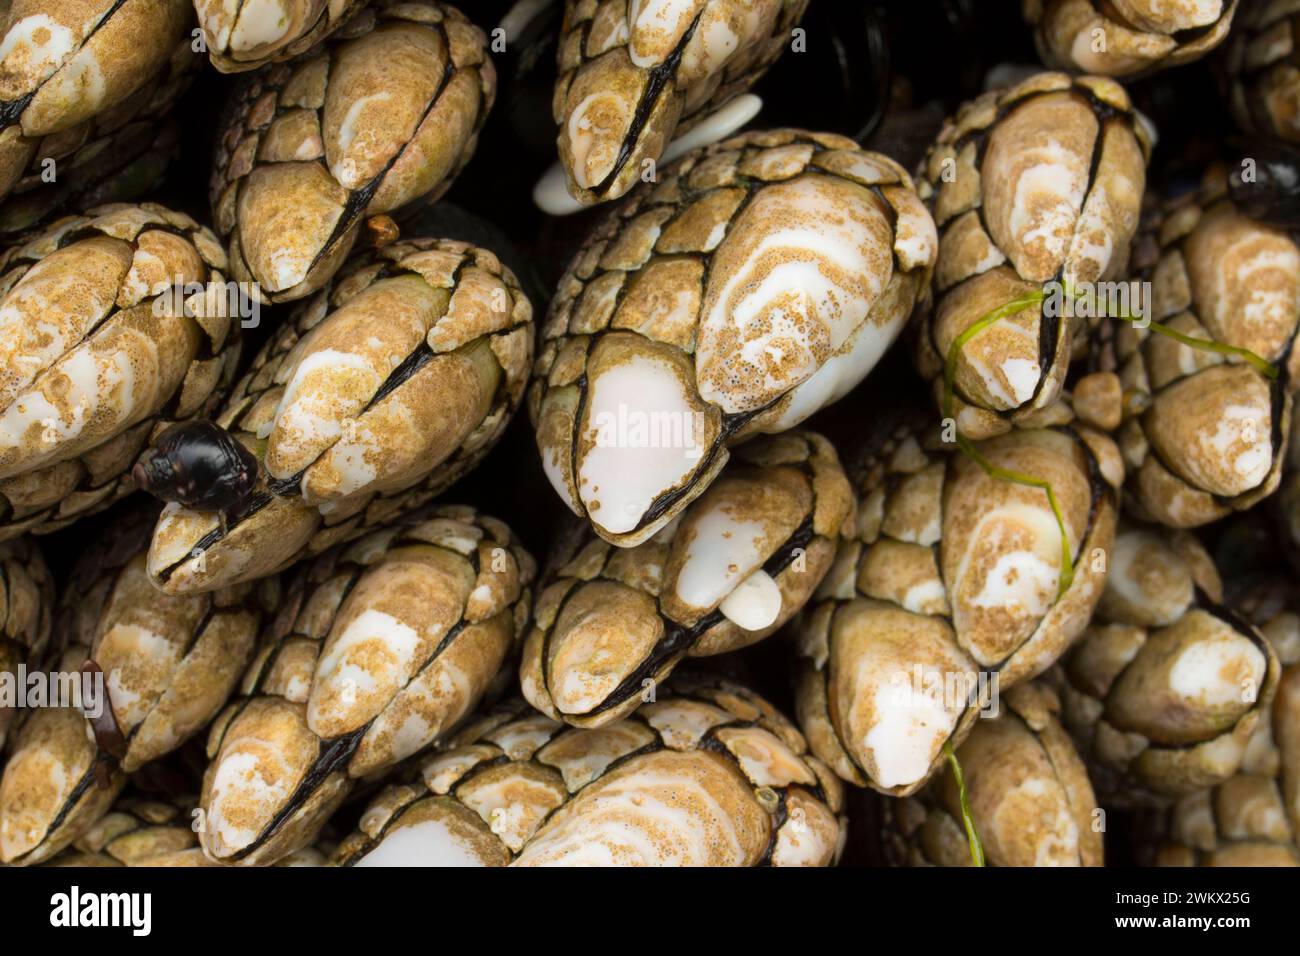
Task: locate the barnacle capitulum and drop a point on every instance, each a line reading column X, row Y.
column 1263, row 77
column 64, row 65
column 949, row 589
column 381, row 646
column 1036, row 191
column 167, row 663
column 137, row 831
column 377, row 393
column 636, row 73
column 611, row 623
column 26, row 611
column 380, row 118
column 98, row 354
column 117, row 155
column 245, row 34
column 153, row 830
column 1125, row 38
column 1206, row 424
column 1253, row 817
column 1166, row 686
column 757, row 281
column 709, row 774
column 1030, row 799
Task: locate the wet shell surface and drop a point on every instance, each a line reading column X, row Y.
column 64, row 63
column 381, row 117
column 1029, row 794
column 757, row 281
column 1264, row 78
column 611, row 623
column 709, row 774
column 99, row 354
column 636, row 73
column 1166, row 686
column 245, row 34
column 380, row 647
column 1126, row 38
column 1253, row 817
column 26, row 612
column 168, row 665
column 377, row 393
column 949, row 585
column 1205, row 434
column 1036, row 184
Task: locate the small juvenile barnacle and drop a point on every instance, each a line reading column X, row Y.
column 1036, row 191
column 1126, row 38
column 380, row 118
column 1030, row 800
column 379, row 392
column 736, row 564
column 152, row 670
column 1166, row 687
column 636, row 73
column 709, row 774
column 1207, row 402
column 98, row 355
column 245, row 34
column 380, row 647
column 758, row 281
column 962, row 579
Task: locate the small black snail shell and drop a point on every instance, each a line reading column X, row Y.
column 200, row 465
column 1265, row 183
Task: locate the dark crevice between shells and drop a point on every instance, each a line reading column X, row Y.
column 659, row 78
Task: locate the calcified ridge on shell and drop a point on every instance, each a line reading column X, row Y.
column 708, row 774
column 1029, row 794
column 729, row 571
column 1126, row 38
column 1040, row 183
column 1263, row 75
column 169, row 663
column 951, row 577
column 636, row 73
column 383, row 116
column 1253, row 817
column 26, row 612
column 1203, row 434
column 245, row 34
column 98, row 356
column 380, row 647
column 375, row 395
column 757, row 281
column 70, row 69
column 1166, row 686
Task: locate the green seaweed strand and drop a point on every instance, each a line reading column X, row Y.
column 1260, row 364
column 967, row 818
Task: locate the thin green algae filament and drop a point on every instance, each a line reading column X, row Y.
column 1263, row 366
column 967, row 818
